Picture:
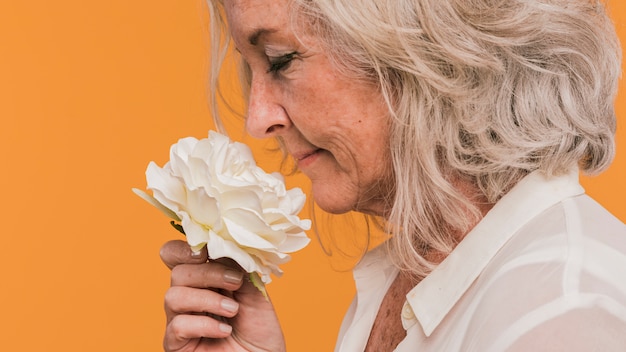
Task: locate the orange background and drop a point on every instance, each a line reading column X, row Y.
column 90, row 92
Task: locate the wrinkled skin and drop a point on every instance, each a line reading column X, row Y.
column 336, row 129
column 199, row 287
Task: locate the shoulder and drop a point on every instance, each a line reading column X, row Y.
column 561, row 275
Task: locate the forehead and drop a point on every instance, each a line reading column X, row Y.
column 246, row 17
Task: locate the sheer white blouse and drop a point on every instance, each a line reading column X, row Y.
column 545, row 270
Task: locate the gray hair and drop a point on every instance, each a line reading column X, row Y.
column 483, row 90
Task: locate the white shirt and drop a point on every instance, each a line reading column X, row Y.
column 544, row 270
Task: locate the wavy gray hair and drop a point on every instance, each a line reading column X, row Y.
column 483, row 90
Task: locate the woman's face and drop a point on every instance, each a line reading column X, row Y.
column 336, row 128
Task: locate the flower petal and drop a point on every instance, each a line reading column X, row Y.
column 245, row 237
column 150, row 199
column 220, row 248
column 196, row 234
column 202, row 208
column 226, row 202
column 294, row 243
column 166, row 188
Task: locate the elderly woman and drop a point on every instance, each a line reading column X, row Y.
column 462, row 125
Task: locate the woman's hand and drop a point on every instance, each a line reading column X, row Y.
column 212, row 306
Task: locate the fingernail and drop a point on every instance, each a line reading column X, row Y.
column 233, row 277
column 229, row 305
column 196, row 254
column 225, row 328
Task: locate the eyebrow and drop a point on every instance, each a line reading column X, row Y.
column 253, row 39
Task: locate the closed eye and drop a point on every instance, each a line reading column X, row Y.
column 280, row 63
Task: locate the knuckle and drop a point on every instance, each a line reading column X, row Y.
column 176, row 328
column 179, row 274
column 172, row 299
column 210, row 303
column 176, row 271
column 211, row 273
column 205, row 325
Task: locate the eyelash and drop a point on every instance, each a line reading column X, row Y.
column 280, row 63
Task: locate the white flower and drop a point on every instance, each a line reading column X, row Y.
column 226, row 202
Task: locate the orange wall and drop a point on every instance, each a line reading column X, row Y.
column 90, row 91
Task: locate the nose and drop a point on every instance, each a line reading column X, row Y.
column 266, row 116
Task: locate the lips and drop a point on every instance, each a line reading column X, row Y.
column 304, row 155
column 305, row 158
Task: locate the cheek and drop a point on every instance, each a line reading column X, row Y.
column 374, row 148
column 375, row 164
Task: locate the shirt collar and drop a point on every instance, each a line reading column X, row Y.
column 433, row 298
column 374, row 270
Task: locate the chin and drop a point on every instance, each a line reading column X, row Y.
column 332, row 201
column 332, row 207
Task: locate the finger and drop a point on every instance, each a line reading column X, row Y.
column 177, row 252
column 186, row 300
column 184, row 329
column 207, row 275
